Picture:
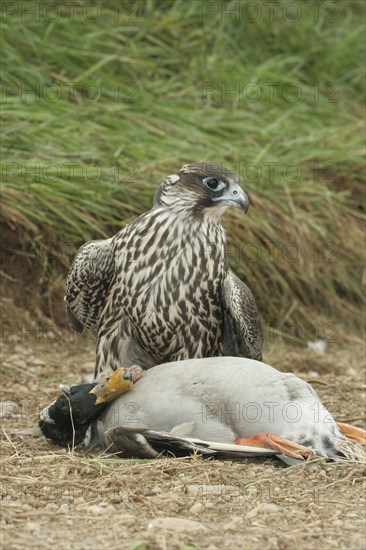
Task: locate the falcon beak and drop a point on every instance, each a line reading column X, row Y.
column 236, row 197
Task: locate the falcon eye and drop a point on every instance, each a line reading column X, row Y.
column 214, row 184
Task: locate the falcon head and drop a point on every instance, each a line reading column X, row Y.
column 202, row 187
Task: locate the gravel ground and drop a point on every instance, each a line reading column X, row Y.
column 53, row 498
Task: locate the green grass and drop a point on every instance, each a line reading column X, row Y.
column 173, row 69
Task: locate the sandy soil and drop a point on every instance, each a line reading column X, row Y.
column 53, row 498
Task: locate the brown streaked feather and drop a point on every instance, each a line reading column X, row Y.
column 88, row 283
column 243, row 331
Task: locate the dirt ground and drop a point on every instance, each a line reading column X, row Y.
column 59, row 499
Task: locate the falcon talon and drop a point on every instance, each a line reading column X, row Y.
column 115, row 384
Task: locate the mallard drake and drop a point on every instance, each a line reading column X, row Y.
column 227, row 407
column 222, row 406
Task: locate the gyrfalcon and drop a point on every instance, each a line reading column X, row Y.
column 161, row 290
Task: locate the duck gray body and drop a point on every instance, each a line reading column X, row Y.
column 219, row 400
column 160, row 290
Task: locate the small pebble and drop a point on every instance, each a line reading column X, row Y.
column 51, row 507
column 266, row 507
column 156, row 490
column 177, row 525
column 269, row 507
column 33, row 526
column 97, row 510
column 20, row 363
column 126, row 519
column 20, row 349
column 34, row 370
column 197, row 508
column 64, row 508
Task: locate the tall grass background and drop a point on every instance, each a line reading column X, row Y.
column 100, row 103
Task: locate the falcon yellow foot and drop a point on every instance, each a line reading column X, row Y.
column 280, row 444
column 115, row 384
column 353, row 432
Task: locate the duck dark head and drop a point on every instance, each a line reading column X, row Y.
column 202, row 187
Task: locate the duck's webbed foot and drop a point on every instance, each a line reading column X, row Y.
column 353, row 432
column 280, row 444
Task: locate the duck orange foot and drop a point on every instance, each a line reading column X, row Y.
column 280, row 444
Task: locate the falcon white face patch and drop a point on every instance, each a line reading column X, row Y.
column 173, row 178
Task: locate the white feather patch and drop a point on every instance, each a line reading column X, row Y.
column 216, row 446
column 173, row 178
column 183, row 430
column 88, row 436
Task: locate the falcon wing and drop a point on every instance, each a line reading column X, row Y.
column 88, row 283
column 243, row 332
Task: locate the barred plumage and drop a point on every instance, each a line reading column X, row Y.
column 160, row 290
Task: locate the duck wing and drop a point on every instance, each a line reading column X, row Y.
column 144, row 443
